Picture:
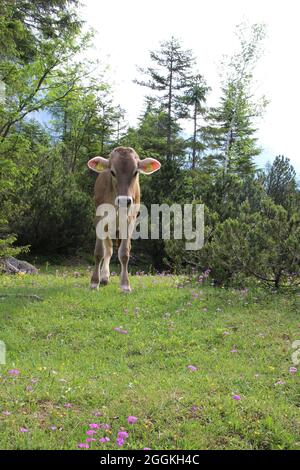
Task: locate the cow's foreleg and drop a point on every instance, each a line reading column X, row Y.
column 124, row 252
column 98, row 258
column 108, row 251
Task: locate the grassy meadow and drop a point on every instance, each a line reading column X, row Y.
column 77, row 357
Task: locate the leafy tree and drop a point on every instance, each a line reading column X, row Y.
column 38, row 68
column 25, row 25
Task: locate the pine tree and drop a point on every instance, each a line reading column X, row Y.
column 169, row 76
column 194, row 98
column 280, row 180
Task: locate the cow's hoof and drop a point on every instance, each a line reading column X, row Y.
column 94, row 286
column 104, row 282
column 126, row 289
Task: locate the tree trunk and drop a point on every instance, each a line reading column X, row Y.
column 169, row 128
column 277, row 279
column 194, row 138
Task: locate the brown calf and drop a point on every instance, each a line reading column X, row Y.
column 118, row 185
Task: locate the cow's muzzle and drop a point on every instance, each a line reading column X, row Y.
column 123, row 201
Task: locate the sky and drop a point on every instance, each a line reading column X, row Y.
column 125, row 32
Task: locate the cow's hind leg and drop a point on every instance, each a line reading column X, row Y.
column 98, row 258
column 124, row 252
column 108, row 251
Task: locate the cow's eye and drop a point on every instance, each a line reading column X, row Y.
column 113, row 173
column 135, row 173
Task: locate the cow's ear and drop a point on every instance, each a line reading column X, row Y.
column 148, row 165
column 98, row 164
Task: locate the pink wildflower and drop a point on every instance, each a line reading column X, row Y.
column 192, row 368
column 120, row 442
column 236, row 397
column 94, row 426
column 14, row 372
column 132, row 419
column 105, row 426
column 120, row 330
column 83, row 445
column 23, row 429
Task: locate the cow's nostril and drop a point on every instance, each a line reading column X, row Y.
column 123, row 201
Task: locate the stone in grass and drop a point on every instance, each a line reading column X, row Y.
column 11, row 265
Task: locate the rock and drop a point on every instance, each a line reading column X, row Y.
column 12, row 265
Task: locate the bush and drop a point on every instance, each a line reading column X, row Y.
column 262, row 244
column 59, row 216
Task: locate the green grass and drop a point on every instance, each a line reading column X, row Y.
column 68, row 345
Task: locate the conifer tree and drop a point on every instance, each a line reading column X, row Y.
column 194, row 98
column 231, row 131
column 169, row 77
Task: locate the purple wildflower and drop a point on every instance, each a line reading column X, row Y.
column 132, row 419
column 23, row 429
column 14, row 372
column 94, row 426
column 83, row 445
column 192, row 368
column 120, row 442
column 120, row 330
column 68, row 405
column 105, row 426
column 236, row 397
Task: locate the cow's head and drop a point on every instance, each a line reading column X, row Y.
column 124, row 165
